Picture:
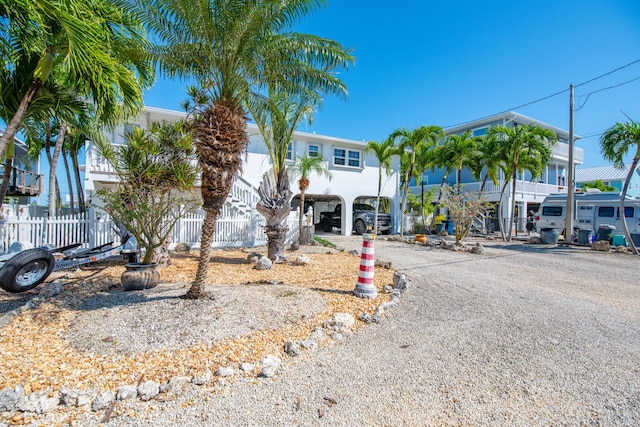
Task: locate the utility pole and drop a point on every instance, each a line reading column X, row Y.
column 570, row 187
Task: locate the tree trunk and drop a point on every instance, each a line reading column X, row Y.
column 275, row 206
column 206, row 240
column 53, row 166
column 69, row 182
column 375, row 218
column 6, row 179
column 79, row 188
column 513, row 204
column 623, row 217
column 424, row 225
column 433, row 220
column 302, row 194
column 500, row 218
column 21, row 112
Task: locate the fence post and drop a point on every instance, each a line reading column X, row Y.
column 92, row 226
column 255, row 224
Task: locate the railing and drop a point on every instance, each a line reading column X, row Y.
column 94, row 229
column 523, row 188
column 24, row 183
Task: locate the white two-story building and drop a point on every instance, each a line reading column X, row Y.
column 354, row 172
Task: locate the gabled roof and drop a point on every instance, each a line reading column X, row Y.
column 603, row 173
column 508, row 117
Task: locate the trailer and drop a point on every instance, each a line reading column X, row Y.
column 23, row 268
column 592, row 210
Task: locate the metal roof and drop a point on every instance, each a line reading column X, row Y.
column 603, row 173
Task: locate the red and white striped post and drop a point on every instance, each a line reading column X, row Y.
column 364, row 287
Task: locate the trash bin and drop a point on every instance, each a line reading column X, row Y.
column 605, row 232
column 549, row 236
column 448, row 225
column 585, row 237
column 439, row 227
column 635, row 237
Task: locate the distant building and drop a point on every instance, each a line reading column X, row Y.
column 25, row 181
column 610, row 175
column 529, row 192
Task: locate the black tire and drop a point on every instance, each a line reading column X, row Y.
column 386, row 232
column 326, row 225
column 360, row 227
column 26, row 270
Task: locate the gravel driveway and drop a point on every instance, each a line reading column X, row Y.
column 524, row 335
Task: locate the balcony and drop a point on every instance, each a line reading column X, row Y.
column 24, row 183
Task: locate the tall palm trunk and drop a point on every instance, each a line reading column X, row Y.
column 21, row 112
column 433, row 220
column 303, row 189
column 623, row 217
column 6, row 178
column 221, row 136
column 424, row 225
column 375, row 218
column 79, row 188
column 69, row 182
column 513, row 204
column 500, row 217
column 52, row 168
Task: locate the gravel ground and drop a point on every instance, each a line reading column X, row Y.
column 524, row 335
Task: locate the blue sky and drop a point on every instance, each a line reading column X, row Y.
column 449, row 62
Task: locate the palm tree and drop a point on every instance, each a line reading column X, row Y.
column 442, row 160
column 524, row 148
column 409, row 140
column 229, row 48
column 303, row 167
column 277, row 119
column 424, row 161
column 462, row 151
column 488, row 159
column 99, row 47
column 615, row 143
column 384, row 152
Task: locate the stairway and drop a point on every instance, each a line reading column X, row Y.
column 242, row 198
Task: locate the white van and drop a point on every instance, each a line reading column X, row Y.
column 591, row 210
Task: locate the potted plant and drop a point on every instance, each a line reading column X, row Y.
column 156, row 174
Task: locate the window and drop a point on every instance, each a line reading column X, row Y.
column 314, row 150
column 606, row 211
column 480, row 132
column 344, row 157
column 628, row 212
column 552, row 211
column 290, row 151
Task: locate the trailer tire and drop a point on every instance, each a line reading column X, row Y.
column 26, row 270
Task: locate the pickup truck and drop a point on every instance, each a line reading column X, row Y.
column 363, row 217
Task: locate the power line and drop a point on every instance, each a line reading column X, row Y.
column 603, row 89
column 607, row 73
column 556, row 94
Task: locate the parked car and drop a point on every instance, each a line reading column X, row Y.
column 363, row 217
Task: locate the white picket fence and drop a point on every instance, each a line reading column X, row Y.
column 97, row 228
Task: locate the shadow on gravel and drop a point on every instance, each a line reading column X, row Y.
column 118, row 298
column 9, row 301
column 543, row 249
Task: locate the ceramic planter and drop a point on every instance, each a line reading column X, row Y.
column 140, row 276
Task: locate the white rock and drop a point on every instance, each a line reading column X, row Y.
column 148, row 390
column 263, row 263
column 247, row 367
column 270, row 365
column 340, row 322
column 127, row 392
column 225, row 371
column 9, row 398
column 103, row 400
column 302, row 260
column 203, row 379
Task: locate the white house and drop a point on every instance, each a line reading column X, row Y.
column 354, row 172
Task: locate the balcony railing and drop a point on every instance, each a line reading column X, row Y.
column 523, row 188
column 24, row 183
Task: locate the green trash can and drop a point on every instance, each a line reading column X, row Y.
column 605, row 232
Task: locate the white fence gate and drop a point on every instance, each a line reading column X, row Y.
column 97, row 228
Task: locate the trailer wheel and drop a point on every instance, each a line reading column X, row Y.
column 26, row 270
